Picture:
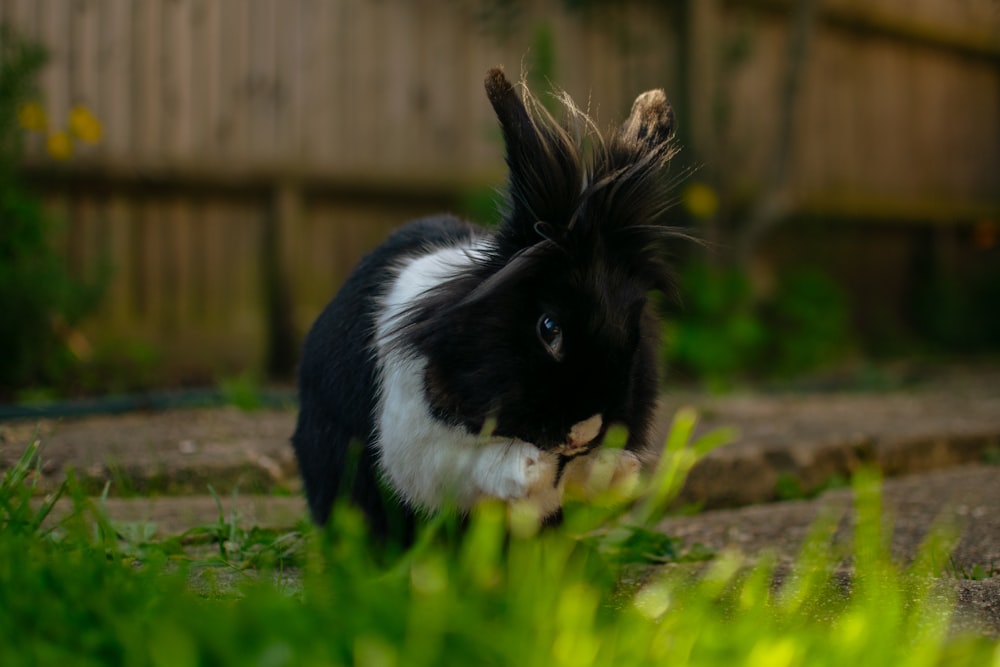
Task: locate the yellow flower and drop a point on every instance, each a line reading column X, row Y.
column 31, row 117
column 84, row 126
column 59, row 145
column 700, row 200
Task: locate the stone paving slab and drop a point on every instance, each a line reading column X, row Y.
column 966, row 497
column 784, row 441
column 807, row 441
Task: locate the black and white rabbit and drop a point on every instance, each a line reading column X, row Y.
column 464, row 363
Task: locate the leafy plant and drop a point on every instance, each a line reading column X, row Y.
column 723, row 331
column 42, row 302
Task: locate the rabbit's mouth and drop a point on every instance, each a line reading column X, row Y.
column 581, row 437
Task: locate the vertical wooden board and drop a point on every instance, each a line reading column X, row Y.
column 303, row 281
column 72, row 241
column 984, row 85
column 868, row 120
column 884, row 117
column 21, row 16
column 291, row 70
column 147, row 105
column 981, row 87
column 198, row 216
column 88, row 221
column 172, row 261
column 705, row 26
column 242, row 257
column 810, row 158
column 54, row 34
column 183, row 255
column 206, row 80
column 177, row 130
column 152, row 268
column 468, row 84
column 402, row 81
column 207, row 271
column 963, row 142
column 934, row 107
column 233, row 50
column 219, row 243
column 248, row 315
column 331, row 124
column 751, row 93
column 638, row 51
column 314, row 283
column 136, row 257
column 86, row 37
column 904, row 73
column 82, row 58
column 595, row 79
column 114, row 63
column 359, row 49
column 317, row 107
column 343, row 88
column 486, row 153
column 119, row 220
column 262, row 75
column 445, row 87
column 829, row 98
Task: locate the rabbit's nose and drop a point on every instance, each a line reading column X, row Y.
column 583, row 432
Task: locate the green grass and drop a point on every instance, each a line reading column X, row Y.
column 83, row 590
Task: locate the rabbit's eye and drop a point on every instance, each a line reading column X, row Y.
column 550, row 333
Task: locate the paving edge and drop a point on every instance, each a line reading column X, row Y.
column 746, row 475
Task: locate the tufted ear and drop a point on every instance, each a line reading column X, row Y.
column 651, row 121
column 546, row 167
column 518, row 130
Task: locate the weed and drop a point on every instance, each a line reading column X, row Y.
column 991, row 455
column 243, row 391
column 975, row 572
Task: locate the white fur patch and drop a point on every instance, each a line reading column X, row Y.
column 429, row 463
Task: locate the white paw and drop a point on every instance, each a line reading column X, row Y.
column 514, row 470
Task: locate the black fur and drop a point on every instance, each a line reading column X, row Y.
column 586, row 255
column 334, row 436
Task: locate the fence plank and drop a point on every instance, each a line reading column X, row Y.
column 147, row 117
column 115, row 68
column 177, row 131
column 376, row 108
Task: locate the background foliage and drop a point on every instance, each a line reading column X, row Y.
column 42, row 301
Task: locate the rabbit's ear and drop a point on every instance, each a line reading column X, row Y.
column 546, row 168
column 518, row 130
column 651, row 121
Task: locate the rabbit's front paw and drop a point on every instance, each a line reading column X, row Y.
column 602, row 471
column 514, row 470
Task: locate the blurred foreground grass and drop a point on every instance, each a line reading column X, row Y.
column 81, row 590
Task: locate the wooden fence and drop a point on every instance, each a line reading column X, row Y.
column 254, row 149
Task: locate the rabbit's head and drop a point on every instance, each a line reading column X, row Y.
column 549, row 337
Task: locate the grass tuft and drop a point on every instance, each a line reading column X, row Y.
column 84, row 590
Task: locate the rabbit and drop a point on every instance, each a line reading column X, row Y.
column 458, row 363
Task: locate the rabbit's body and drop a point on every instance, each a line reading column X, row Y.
column 465, row 364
